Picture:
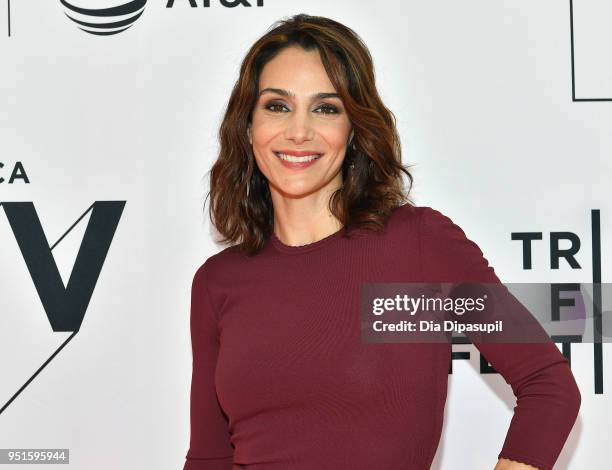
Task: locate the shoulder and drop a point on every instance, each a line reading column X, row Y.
column 224, row 267
column 416, row 219
column 408, row 213
column 439, row 231
column 434, row 223
column 403, row 217
column 442, row 232
column 407, row 225
column 447, row 252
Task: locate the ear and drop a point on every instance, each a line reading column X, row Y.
column 249, row 134
column 351, row 137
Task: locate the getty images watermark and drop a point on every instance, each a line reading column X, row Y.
column 484, row 312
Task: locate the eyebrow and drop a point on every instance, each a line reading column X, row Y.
column 280, row 91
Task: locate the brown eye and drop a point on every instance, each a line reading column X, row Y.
column 275, row 107
column 328, row 109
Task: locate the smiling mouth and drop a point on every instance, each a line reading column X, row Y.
column 294, row 159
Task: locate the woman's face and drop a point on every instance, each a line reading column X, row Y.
column 297, row 117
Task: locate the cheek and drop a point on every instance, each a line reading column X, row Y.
column 337, row 132
column 336, row 137
column 262, row 131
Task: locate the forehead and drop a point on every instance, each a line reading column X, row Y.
column 297, row 70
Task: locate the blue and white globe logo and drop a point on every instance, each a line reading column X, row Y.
column 104, row 17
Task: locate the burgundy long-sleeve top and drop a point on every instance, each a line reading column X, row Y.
column 282, row 380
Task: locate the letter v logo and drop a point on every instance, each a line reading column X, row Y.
column 65, row 306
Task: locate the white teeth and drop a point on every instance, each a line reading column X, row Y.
column 291, row 158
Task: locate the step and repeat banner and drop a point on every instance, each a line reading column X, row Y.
column 109, row 112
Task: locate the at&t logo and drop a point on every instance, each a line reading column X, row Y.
column 110, row 19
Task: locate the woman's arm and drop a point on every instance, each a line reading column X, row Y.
column 547, row 396
column 210, row 447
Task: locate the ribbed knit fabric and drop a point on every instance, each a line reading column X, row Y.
column 281, row 379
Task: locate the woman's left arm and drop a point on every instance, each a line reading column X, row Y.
column 547, row 397
column 547, row 402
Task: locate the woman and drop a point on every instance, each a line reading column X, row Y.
column 308, row 189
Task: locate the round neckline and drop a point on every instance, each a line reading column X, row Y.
column 291, row 249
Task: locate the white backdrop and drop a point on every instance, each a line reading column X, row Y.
column 482, row 91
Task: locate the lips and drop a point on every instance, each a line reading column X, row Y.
column 298, row 153
column 297, row 159
column 305, row 158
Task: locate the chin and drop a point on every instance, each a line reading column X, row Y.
column 296, row 190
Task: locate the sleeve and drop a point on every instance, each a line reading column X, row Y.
column 210, row 447
column 547, row 396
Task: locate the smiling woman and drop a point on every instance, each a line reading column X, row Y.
column 299, row 136
column 305, row 128
column 308, row 189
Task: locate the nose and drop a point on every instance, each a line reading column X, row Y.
column 299, row 128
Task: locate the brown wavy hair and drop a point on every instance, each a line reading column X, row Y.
column 241, row 205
